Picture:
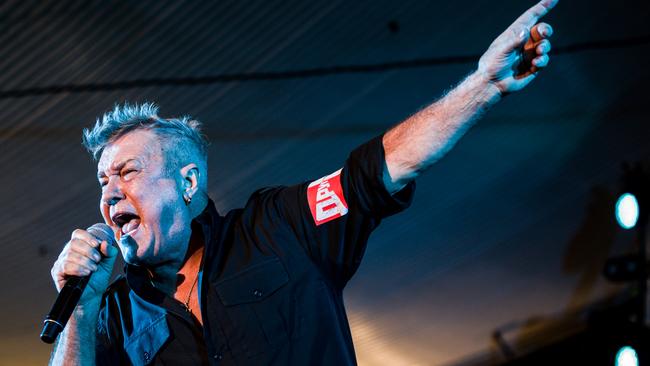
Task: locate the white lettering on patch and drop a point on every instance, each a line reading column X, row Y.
column 326, row 200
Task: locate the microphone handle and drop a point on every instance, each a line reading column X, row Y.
column 65, row 303
column 71, row 292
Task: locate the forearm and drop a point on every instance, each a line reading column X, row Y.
column 413, row 145
column 76, row 344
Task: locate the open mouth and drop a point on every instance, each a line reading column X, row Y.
column 127, row 222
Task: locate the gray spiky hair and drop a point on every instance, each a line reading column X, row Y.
column 181, row 139
column 128, row 117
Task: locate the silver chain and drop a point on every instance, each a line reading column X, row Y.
column 189, row 296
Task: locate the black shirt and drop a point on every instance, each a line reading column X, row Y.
column 272, row 278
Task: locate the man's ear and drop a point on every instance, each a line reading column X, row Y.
column 190, row 174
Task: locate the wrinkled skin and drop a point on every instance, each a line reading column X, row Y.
column 134, row 180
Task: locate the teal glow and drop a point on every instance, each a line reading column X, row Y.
column 627, row 211
column 626, row 356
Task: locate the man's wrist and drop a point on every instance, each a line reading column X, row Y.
column 86, row 313
column 75, row 345
column 493, row 93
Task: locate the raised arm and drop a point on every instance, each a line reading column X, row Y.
column 510, row 63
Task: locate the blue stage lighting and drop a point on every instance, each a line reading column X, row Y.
column 626, row 356
column 627, row 210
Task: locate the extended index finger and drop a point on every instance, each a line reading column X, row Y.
column 532, row 15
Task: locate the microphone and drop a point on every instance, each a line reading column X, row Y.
column 69, row 295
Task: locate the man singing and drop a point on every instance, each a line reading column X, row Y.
column 262, row 285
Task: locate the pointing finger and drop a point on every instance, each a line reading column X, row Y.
column 532, row 15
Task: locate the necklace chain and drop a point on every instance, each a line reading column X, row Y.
column 189, row 296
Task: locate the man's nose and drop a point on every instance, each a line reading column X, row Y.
column 112, row 193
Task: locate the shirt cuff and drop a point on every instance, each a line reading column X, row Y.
column 366, row 166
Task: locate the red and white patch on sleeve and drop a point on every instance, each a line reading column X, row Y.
column 325, row 197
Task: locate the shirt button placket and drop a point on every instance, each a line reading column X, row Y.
column 146, row 357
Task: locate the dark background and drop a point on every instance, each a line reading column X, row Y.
column 508, row 233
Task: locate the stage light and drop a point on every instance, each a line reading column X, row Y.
column 627, row 210
column 626, row 356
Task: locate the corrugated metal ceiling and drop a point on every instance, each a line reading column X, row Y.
column 502, row 230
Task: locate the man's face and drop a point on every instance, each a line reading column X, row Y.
column 142, row 201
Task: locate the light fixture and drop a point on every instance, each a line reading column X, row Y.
column 626, row 356
column 627, row 210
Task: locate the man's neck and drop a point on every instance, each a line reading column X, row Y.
column 192, row 265
column 173, row 278
column 187, row 291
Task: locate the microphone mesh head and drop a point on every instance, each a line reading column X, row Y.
column 103, row 232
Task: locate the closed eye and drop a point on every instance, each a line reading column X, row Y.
column 127, row 172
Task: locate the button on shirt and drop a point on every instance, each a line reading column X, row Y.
column 271, row 282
